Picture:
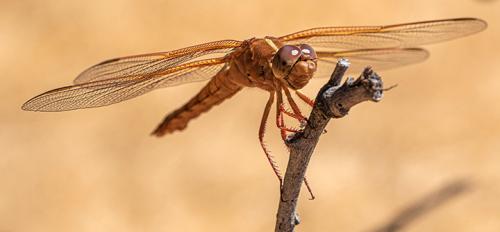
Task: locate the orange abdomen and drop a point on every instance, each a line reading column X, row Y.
column 219, row 88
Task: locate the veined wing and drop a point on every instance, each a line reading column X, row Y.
column 379, row 59
column 113, row 90
column 154, row 62
column 390, row 36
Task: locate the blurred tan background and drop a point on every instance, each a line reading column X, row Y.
column 99, row 170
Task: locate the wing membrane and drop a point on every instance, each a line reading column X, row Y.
column 109, row 91
column 152, row 63
column 379, row 59
column 391, row 36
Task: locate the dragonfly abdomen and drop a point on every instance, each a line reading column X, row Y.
column 216, row 91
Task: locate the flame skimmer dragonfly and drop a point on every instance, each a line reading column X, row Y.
column 275, row 64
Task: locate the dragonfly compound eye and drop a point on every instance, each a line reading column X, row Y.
column 284, row 60
column 308, row 52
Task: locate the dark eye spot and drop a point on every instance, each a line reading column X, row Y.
column 283, row 63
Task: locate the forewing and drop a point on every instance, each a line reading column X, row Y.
column 153, row 63
column 109, row 91
column 379, row 59
column 391, row 36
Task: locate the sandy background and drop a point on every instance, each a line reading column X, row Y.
column 99, row 170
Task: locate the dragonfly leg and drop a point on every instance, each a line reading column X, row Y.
column 262, row 131
column 305, row 98
column 291, row 114
column 280, row 122
column 297, row 115
column 295, row 108
column 309, row 189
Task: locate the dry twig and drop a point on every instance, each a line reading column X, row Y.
column 333, row 101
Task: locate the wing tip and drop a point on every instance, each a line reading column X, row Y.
column 425, row 52
column 472, row 19
column 28, row 105
column 479, row 24
column 39, row 103
column 482, row 24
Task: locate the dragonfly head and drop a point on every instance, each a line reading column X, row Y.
column 294, row 64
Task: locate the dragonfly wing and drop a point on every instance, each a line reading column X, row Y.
column 147, row 64
column 379, row 59
column 390, row 36
column 110, row 91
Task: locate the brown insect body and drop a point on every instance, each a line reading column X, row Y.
column 276, row 65
column 249, row 66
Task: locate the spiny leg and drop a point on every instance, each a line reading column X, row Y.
column 309, row 189
column 295, row 107
column 298, row 115
column 305, row 98
column 280, row 121
column 281, row 109
column 291, row 114
column 262, row 131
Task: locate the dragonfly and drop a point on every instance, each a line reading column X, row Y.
column 278, row 65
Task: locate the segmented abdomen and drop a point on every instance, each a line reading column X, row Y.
column 216, row 91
